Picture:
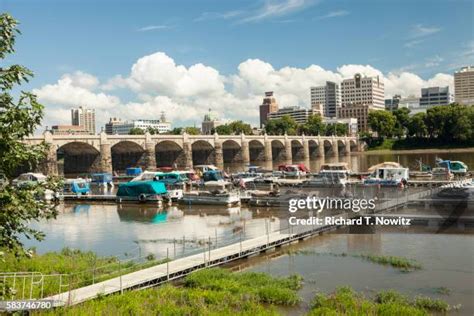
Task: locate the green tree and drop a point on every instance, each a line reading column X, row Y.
column 222, row 130
column 239, row 127
column 313, row 126
column 191, row 130
column 402, row 116
column 176, row 131
column 286, row 124
column 136, row 131
column 416, row 125
column 19, row 117
column 382, row 122
column 337, row 129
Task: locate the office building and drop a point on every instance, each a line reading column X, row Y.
column 464, row 86
column 118, row 127
column 412, row 103
column 269, row 105
column 299, row 114
column 84, row 117
column 359, row 96
column 351, row 123
column 210, row 122
column 392, row 104
column 434, row 96
column 326, row 99
column 68, row 130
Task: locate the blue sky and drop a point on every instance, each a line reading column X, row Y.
column 105, row 38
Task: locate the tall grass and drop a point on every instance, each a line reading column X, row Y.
column 345, row 301
column 206, row 292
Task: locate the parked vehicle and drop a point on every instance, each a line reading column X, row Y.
column 29, row 178
column 76, row 186
column 388, row 176
column 294, row 171
column 142, row 191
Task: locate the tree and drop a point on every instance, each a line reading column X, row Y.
column 136, row 131
column 313, row 126
column 19, row 117
column 286, row 124
column 222, row 130
column 382, row 122
column 239, row 127
column 402, row 116
column 416, row 125
column 191, row 130
column 337, row 129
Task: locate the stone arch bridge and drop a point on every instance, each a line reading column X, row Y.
column 107, row 153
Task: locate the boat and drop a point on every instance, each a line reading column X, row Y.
column 211, row 198
column 455, row 166
column 76, row 186
column 133, row 171
column 293, row 171
column 104, row 179
column 142, row 191
column 174, row 181
column 387, row 174
column 441, row 173
column 29, row 179
column 327, row 178
column 201, row 169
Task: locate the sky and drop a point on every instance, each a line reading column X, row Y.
column 134, row 59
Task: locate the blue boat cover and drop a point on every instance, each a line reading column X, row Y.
column 141, row 187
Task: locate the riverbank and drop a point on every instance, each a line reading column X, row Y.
column 419, row 151
column 376, row 144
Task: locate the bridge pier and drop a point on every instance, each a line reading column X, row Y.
column 245, row 150
column 288, row 153
column 105, row 158
column 305, row 149
column 219, row 153
column 268, row 150
column 148, row 160
column 347, row 150
column 321, row 154
column 188, row 154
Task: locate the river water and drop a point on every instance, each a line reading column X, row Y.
column 174, row 231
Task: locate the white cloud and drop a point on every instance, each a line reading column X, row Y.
column 153, row 28
column 157, row 83
column 276, row 8
column 419, row 30
column 333, row 14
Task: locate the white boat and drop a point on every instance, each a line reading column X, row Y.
column 441, row 173
column 387, row 175
column 327, row 178
column 211, row 198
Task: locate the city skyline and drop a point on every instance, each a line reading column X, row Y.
column 133, row 66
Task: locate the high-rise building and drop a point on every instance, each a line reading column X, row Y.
column 435, row 96
column 360, row 95
column 110, row 127
column 210, row 122
column 392, row 104
column 84, row 117
column 326, row 99
column 412, row 103
column 464, row 86
column 299, row 114
column 118, row 127
column 269, row 105
column 68, row 130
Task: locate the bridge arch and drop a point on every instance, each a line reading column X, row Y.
column 168, row 153
column 297, row 150
column 126, row 154
column 256, row 150
column 203, row 152
column 278, row 150
column 329, row 148
column 341, row 145
column 313, row 149
column 232, row 151
column 353, row 145
column 75, row 158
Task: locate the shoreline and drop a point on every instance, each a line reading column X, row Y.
column 418, row 151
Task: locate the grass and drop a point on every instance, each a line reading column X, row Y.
column 78, row 268
column 400, row 263
column 206, row 292
column 345, row 301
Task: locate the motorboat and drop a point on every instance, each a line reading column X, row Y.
column 293, row 171
column 103, row 179
column 454, row 166
column 133, row 171
column 339, row 166
column 77, row 186
column 29, row 179
column 441, row 173
column 327, row 178
column 142, row 191
column 174, row 181
column 387, row 175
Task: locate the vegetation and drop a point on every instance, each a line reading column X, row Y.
column 136, row 131
column 233, row 128
column 401, row 263
column 188, row 130
column 19, row 117
column 345, row 301
column 205, row 292
column 314, row 126
column 446, row 126
column 80, row 268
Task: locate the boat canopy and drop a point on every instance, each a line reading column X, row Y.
column 141, row 187
column 386, row 164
